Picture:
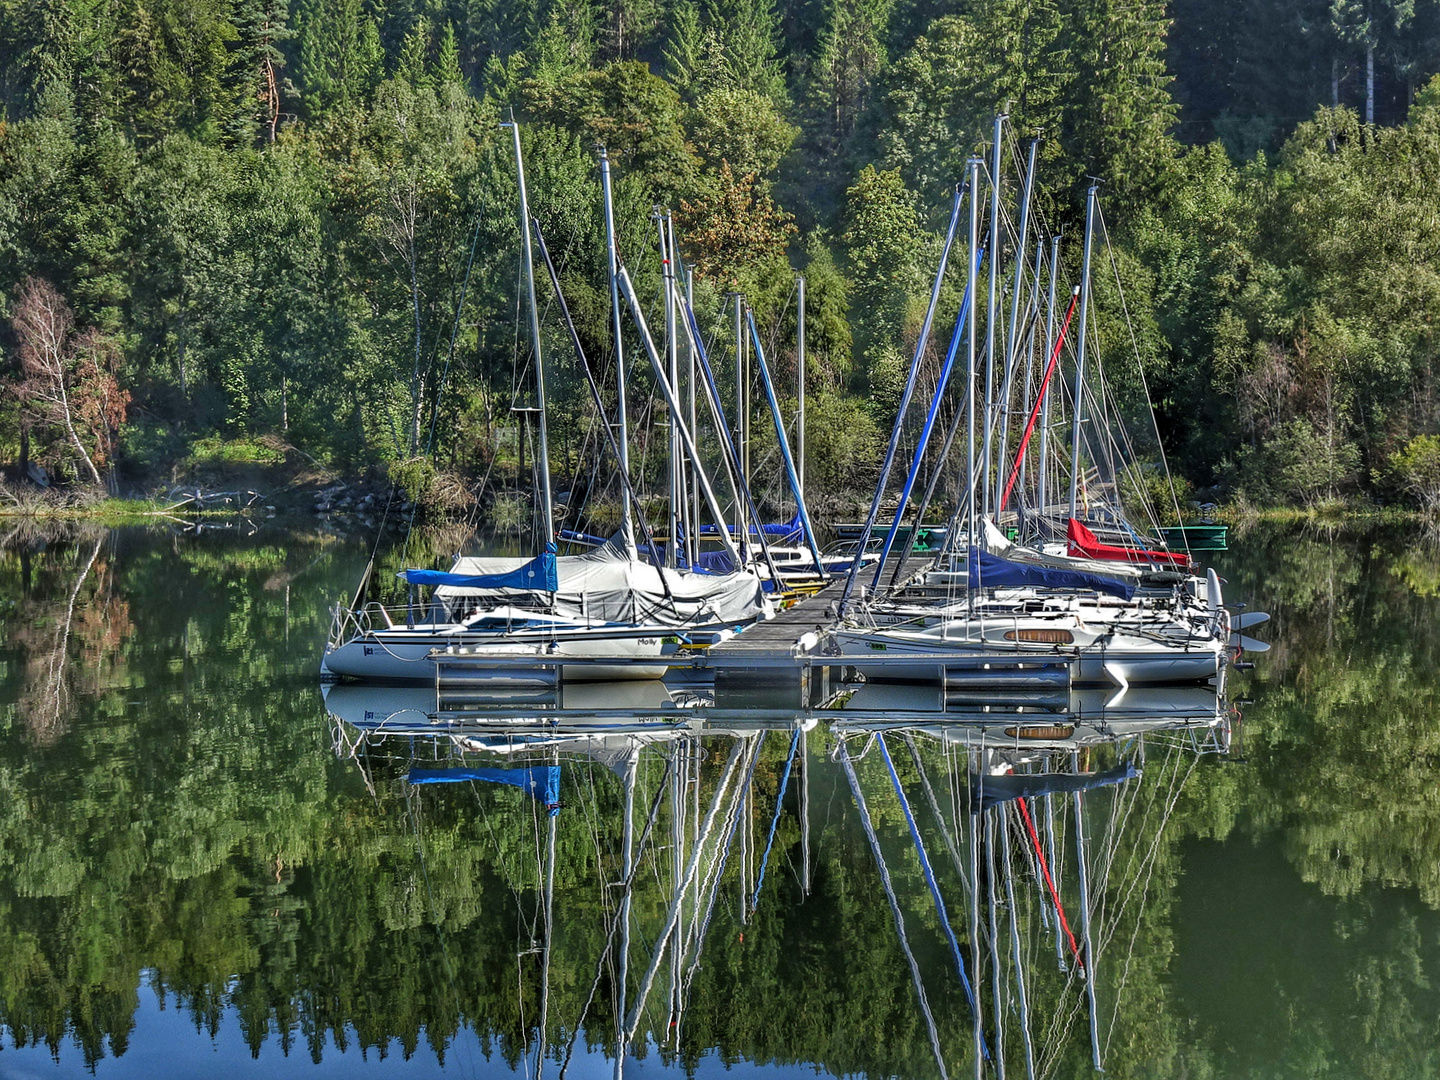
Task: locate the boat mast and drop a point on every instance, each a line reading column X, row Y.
column 1091, row 199
column 632, row 765
column 1045, row 392
column 667, row 269
column 1031, row 319
column 692, row 534
column 995, row 253
column 1080, row 860
column 800, row 386
column 900, row 412
column 1003, row 411
column 627, row 528
column 743, row 463
column 970, row 364
column 673, row 403
column 545, row 500
column 549, row 945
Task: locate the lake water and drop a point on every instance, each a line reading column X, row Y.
column 203, row 872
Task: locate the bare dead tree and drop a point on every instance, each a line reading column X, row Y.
column 68, row 379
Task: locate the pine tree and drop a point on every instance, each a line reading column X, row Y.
column 1119, row 112
column 340, row 56
column 749, row 30
column 943, row 94
column 849, row 55
column 687, row 48
column 566, row 45
column 412, row 66
column 446, row 71
column 258, row 66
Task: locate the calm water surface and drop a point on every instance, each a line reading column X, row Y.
column 201, row 871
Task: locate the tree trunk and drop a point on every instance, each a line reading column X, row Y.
column 1334, row 82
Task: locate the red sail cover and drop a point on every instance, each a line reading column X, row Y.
column 1085, row 544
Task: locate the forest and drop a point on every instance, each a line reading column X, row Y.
column 236, row 230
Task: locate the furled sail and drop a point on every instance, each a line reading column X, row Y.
column 537, row 575
column 1085, row 543
column 990, row 571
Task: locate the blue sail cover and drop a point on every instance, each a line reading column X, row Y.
column 537, row 575
column 989, row 791
column 541, row 782
column 783, row 531
column 991, row 571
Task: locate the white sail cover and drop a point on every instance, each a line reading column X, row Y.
column 997, row 544
column 607, row 585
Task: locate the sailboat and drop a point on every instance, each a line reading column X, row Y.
column 511, row 620
column 1115, row 613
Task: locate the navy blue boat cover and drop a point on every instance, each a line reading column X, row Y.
column 537, row 575
column 542, row 782
column 991, row 571
column 989, row 791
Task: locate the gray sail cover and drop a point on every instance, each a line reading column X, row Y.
column 608, row 586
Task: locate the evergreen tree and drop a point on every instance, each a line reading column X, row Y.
column 258, row 66
column 839, row 78
column 412, row 65
column 883, row 242
column 447, row 60
column 38, row 42
column 1365, row 24
column 1119, row 115
column 943, row 94
column 749, row 31
column 687, row 50
column 340, row 57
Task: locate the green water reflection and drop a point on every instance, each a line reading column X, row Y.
column 173, row 814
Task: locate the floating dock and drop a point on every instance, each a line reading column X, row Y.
column 785, row 660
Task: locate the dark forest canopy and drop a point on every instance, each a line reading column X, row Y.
column 260, row 215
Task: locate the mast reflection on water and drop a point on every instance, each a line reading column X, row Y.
column 1000, row 847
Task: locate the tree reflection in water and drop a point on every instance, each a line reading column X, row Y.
column 181, row 822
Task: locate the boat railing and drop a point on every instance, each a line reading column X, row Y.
column 347, row 622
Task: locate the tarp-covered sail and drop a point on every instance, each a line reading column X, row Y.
column 997, row 544
column 542, row 782
column 536, row 575
column 988, row 571
column 1085, row 543
column 608, row 586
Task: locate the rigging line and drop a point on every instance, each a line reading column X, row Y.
column 1118, row 827
column 718, row 864
column 945, row 832
column 614, row 922
column 633, row 1020
column 1050, row 882
column 1125, row 971
column 894, row 907
column 1015, row 945
column 1172, row 794
column 775, row 821
column 1135, row 344
column 934, row 887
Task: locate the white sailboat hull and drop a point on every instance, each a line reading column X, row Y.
column 427, row 655
column 1118, row 660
